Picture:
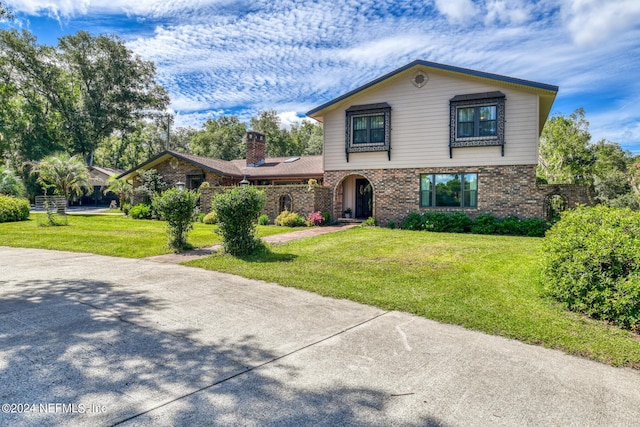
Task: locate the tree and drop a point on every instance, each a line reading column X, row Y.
column 308, row 137
column 279, row 141
column 66, row 174
column 565, row 157
column 5, row 13
column 94, row 85
column 220, row 138
column 612, row 175
column 120, row 187
column 151, row 185
column 10, row 183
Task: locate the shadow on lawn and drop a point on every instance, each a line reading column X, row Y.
column 90, row 343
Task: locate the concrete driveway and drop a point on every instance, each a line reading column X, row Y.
column 92, row 340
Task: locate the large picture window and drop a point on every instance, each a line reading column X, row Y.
column 449, row 190
column 477, row 120
column 368, row 128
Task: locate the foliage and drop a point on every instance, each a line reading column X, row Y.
column 326, row 216
column 237, row 209
column 413, row 221
column 263, row 219
column 565, row 157
column 591, row 263
column 151, row 185
column 5, row 13
column 210, row 218
column 140, row 211
column 10, row 183
column 13, row 209
column 370, row 222
column 66, row 174
column 315, row 218
column 391, row 225
column 120, row 187
column 178, row 209
column 612, row 176
column 289, row 219
column 485, row 223
column 220, row 138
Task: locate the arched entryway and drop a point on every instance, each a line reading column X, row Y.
column 354, row 197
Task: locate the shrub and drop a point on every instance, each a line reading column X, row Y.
column 391, row 225
column 210, row 218
column 178, row 208
column 327, row 218
column 13, row 209
column 413, row 221
column 533, row 227
column 434, row 221
column 263, row 219
column 238, row 209
column 591, row 263
column 509, row 225
column 289, row 219
column 458, row 222
column 484, row 224
column 126, row 207
column 370, row 222
column 315, row 218
column 10, row 183
column 140, row 211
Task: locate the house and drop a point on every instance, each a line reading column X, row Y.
column 285, row 180
column 429, row 136
column 98, row 177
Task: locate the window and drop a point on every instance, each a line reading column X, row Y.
column 449, row 190
column 477, row 120
column 284, row 204
column 368, row 128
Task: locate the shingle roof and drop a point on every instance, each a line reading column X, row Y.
column 304, row 166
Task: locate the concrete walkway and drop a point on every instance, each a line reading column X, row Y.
column 89, row 340
column 177, row 258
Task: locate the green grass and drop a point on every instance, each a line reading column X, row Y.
column 107, row 235
column 486, row 283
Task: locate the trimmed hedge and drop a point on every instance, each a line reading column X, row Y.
column 485, row 223
column 591, row 263
column 13, row 209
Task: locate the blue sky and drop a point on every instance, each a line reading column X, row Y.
column 239, row 57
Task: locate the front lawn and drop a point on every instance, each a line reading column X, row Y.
column 107, row 235
column 487, row 283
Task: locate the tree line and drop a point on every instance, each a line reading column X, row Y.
column 568, row 156
column 91, row 97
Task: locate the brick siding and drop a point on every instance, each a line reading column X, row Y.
column 502, row 191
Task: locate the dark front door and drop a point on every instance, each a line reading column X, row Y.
column 364, row 199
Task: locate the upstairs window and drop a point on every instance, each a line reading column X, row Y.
column 477, row 120
column 368, row 128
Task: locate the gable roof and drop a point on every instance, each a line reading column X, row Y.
column 308, row 166
column 546, row 91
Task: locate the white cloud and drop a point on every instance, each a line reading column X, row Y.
column 457, row 10
column 591, row 22
column 506, row 12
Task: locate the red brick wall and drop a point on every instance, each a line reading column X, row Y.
column 502, row 191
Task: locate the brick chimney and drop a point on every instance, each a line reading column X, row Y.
column 256, row 149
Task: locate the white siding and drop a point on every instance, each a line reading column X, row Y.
column 420, row 126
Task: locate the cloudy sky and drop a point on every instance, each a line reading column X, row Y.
column 241, row 56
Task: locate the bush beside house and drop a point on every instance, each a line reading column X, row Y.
column 591, row 263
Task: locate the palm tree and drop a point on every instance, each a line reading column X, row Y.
column 66, row 174
column 10, row 183
column 120, row 187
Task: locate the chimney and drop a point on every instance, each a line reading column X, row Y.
column 256, row 149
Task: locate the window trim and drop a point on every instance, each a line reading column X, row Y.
column 368, row 110
column 433, row 196
column 476, row 100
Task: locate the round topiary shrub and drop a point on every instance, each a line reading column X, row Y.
column 289, row 219
column 13, row 209
column 140, row 211
column 591, row 263
column 178, row 209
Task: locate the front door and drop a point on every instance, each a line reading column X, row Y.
column 364, row 199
